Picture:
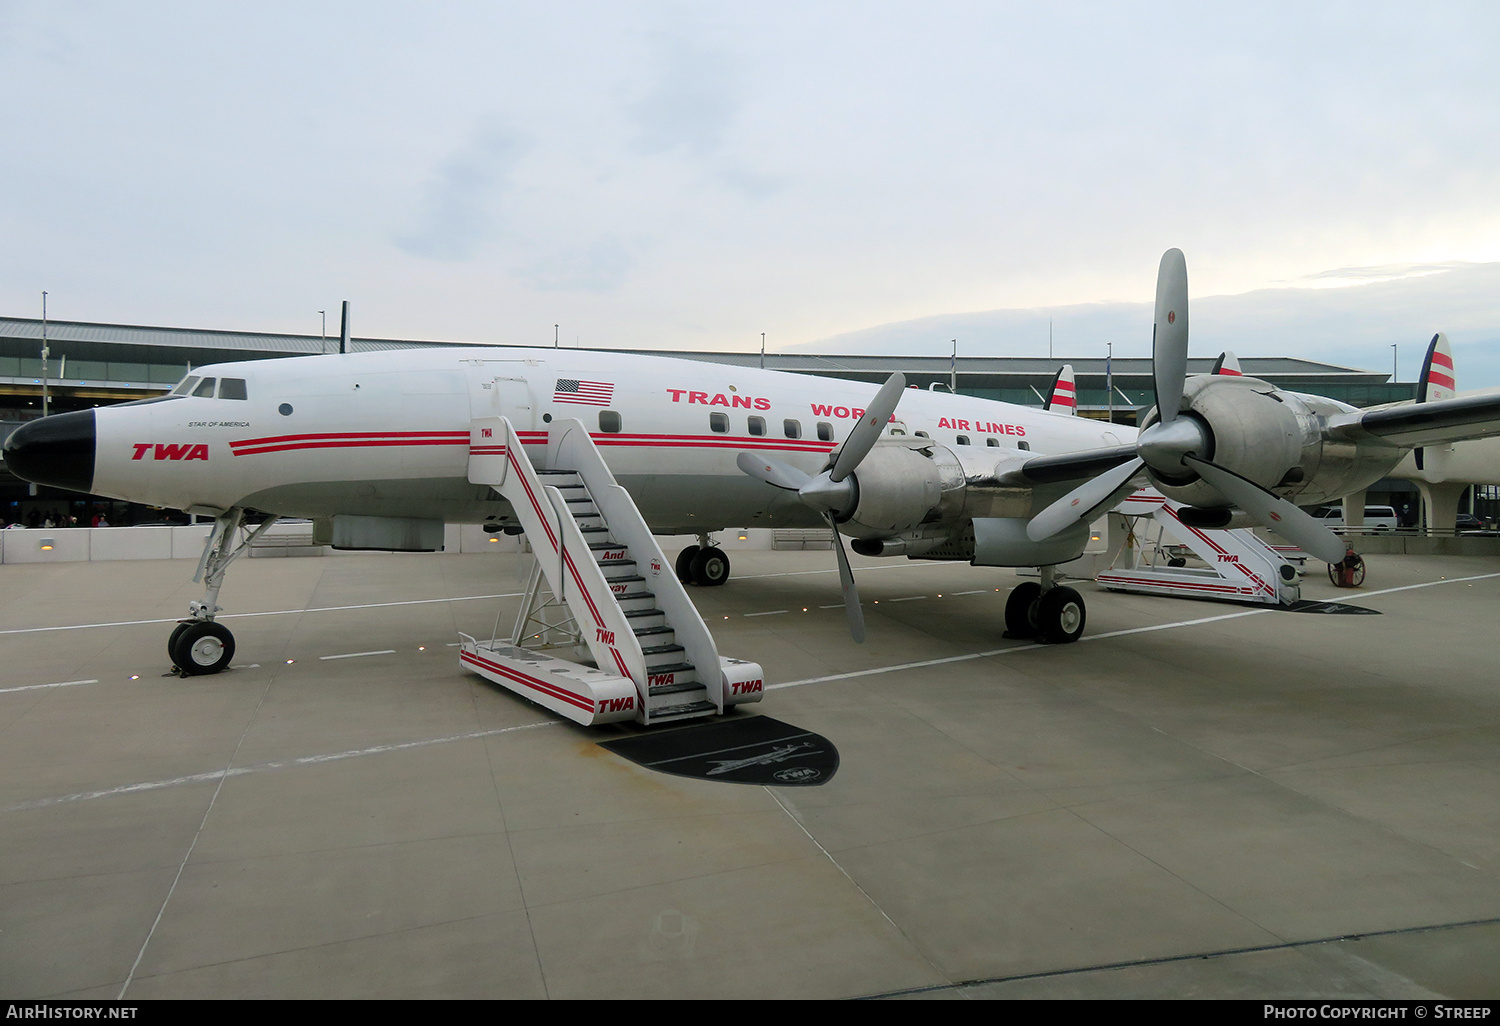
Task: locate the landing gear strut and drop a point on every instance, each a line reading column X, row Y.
column 199, row 644
column 705, row 565
column 1047, row 610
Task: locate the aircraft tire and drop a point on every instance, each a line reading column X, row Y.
column 1021, row 610
column 1061, row 615
column 204, row 647
column 172, row 640
column 710, row 567
column 684, row 565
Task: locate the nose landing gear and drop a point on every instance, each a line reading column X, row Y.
column 201, row 645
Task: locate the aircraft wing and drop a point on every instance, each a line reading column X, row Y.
column 1074, row 466
column 1448, row 420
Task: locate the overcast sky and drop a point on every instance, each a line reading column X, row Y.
column 689, row 175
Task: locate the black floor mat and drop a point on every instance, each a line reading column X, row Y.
column 744, row 749
column 1310, row 606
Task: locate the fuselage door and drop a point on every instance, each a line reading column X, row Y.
column 500, row 389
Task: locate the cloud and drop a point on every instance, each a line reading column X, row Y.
column 598, row 269
column 1353, row 326
column 462, row 200
column 690, row 104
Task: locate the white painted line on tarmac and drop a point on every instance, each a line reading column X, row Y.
column 908, row 598
column 356, row 655
column 772, row 612
column 261, row 767
column 989, row 653
column 38, row 687
column 268, row 612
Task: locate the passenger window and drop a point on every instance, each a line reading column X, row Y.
column 205, row 389
column 232, row 388
column 186, row 386
column 792, row 428
column 1024, row 446
column 993, row 443
column 718, row 423
column 609, row 421
column 825, row 431
column 757, row 426
column 963, row 439
column 923, row 434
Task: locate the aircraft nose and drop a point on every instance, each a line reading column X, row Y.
column 56, row 451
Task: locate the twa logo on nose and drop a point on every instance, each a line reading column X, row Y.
column 170, row 451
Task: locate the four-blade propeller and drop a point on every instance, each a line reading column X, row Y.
column 1178, row 447
column 832, row 492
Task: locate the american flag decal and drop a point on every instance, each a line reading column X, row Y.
column 585, row 393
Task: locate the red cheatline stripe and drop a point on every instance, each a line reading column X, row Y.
column 1441, row 380
column 1188, row 585
column 544, row 687
column 1225, row 372
column 1065, row 386
column 1441, row 359
column 347, row 439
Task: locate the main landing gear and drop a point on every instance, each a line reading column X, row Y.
column 703, row 564
column 200, row 644
column 1047, row 610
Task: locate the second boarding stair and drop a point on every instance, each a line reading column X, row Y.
column 620, row 599
column 1237, row 566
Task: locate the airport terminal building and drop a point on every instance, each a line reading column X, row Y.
column 91, row 365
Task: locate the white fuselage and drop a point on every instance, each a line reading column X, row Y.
column 387, row 434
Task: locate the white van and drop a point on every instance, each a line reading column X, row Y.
column 1377, row 518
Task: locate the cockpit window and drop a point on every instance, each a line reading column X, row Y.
column 232, row 388
column 186, row 385
column 205, row 389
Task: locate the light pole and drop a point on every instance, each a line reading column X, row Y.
column 323, row 345
column 1109, row 377
column 1394, row 353
column 763, row 350
column 555, row 328
column 45, row 402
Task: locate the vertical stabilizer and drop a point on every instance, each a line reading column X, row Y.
column 1063, row 396
column 1227, row 365
column 1438, row 382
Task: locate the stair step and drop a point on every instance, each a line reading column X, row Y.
column 677, row 689
column 637, row 613
column 642, row 632
column 673, row 667
column 682, row 711
column 666, row 650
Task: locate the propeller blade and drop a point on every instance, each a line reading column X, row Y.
column 1169, row 339
column 1083, row 502
column 852, row 610
column 1274, row 512
column 772, row 472
column 867, row 432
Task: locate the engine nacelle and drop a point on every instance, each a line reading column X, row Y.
column 1253, row 428
column 902, row 485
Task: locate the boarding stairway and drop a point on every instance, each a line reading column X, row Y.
column 614, row 597
column 1238, row 565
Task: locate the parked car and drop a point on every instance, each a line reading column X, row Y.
column 1378, row 518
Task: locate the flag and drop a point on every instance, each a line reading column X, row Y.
column 585, row 393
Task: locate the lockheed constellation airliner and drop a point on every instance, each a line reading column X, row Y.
column 374, row 448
